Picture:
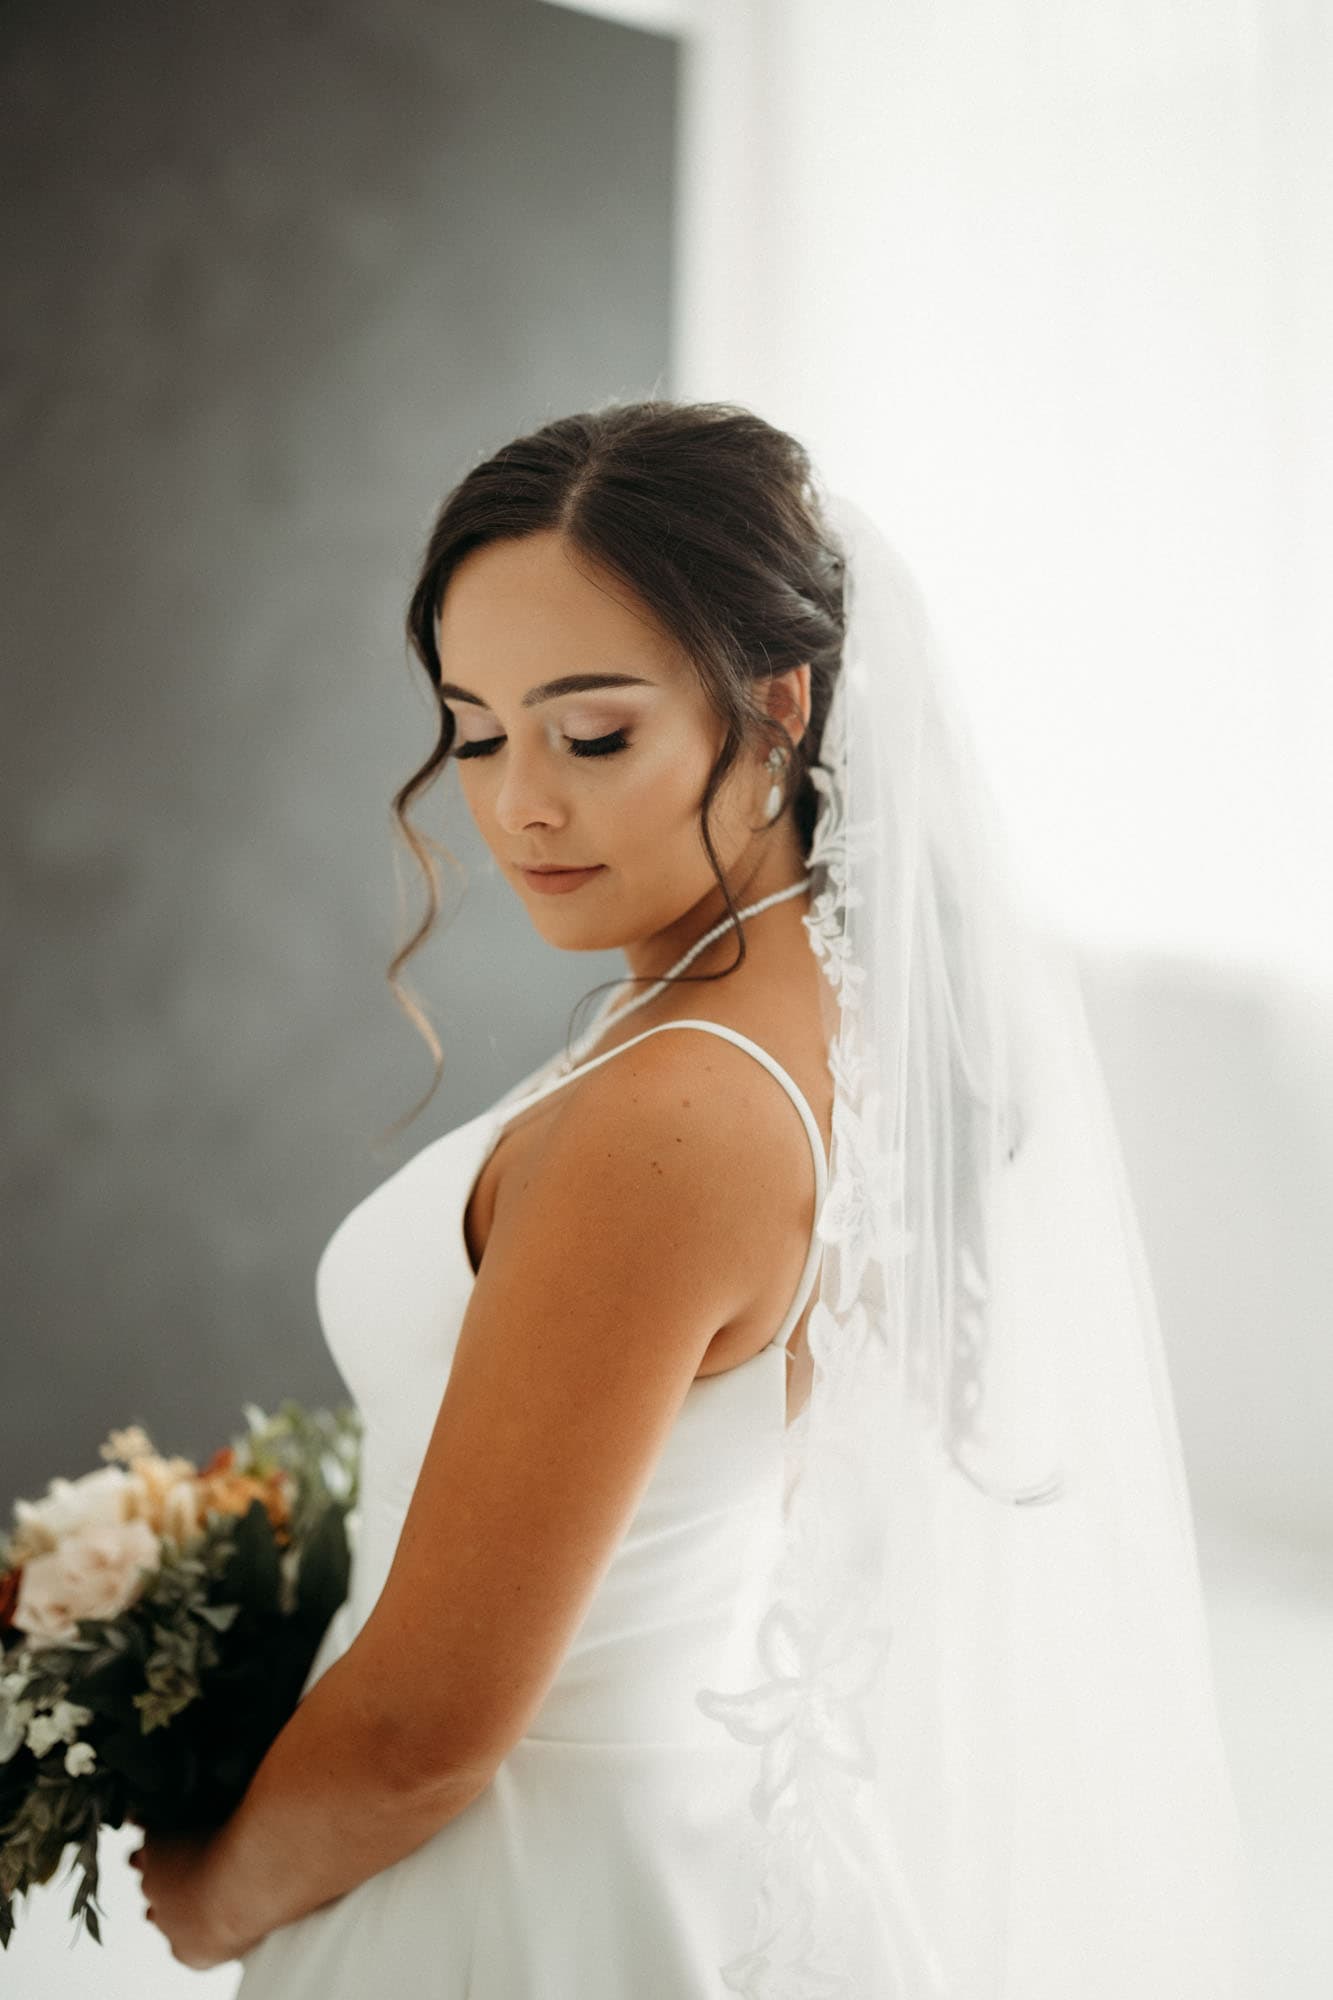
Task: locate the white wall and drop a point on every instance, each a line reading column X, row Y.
column 1051, row 287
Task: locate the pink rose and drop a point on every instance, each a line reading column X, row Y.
column 94, row 1573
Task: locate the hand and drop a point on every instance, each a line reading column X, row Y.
column 174, row 1871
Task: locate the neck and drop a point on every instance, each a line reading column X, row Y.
column 781, row 863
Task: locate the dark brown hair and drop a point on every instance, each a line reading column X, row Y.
column 712, row 518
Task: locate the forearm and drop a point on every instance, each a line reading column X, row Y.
column 330, row 1805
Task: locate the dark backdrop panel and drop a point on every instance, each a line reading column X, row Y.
column 275, row 275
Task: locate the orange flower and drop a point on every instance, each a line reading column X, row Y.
column 232, row 1492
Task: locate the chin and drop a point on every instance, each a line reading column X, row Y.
column 570, row 933
column 562, row 914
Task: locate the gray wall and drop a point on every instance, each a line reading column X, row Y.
column 276, row 274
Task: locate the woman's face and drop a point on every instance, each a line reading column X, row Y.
column 520, row 620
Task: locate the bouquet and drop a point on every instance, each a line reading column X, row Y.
column 157, row 1624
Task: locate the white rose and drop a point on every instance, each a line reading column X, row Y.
column 42, row 1733
column 95, row 1574
column 96, row 1500
column 68, row 1718
column 80, row 1759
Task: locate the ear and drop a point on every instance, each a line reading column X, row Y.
column 787, row 697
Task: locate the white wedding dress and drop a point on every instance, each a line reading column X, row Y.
column 613, row 1855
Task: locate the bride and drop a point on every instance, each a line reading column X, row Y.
column 774, row 1569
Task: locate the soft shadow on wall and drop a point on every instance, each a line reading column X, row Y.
column 1222, row 1083
column 278, row 276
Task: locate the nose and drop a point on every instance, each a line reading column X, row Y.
column 529, row 793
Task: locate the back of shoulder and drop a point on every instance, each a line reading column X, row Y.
column 674, row 1170
column 684, row 1072
column 695, row 1104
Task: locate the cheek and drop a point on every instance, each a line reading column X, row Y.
column 665, row 790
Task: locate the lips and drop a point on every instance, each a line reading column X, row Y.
column 554, row 881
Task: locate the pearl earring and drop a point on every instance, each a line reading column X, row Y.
column 774, row 763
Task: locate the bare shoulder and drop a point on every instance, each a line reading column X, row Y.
column 687, row 1140
column 723, row 1111
column 679, row 1139
column 680, row 1070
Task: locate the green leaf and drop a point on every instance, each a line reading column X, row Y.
column 252, row 1573
column 219, row 1616
column 321, row 1584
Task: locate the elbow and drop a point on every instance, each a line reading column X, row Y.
column 404, row 1749
column 421, row 1760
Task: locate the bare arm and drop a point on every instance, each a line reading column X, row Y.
column 329, row 1805
column 647, row 1224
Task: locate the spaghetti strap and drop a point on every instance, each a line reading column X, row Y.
column 798, row 1098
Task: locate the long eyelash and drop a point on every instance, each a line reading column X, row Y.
column 580, row 746
column 598, row 746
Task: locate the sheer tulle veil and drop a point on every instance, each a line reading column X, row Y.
column 987, row 1760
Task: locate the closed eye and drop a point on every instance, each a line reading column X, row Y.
column 580, row 746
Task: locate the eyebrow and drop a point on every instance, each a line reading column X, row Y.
column 548, row 690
